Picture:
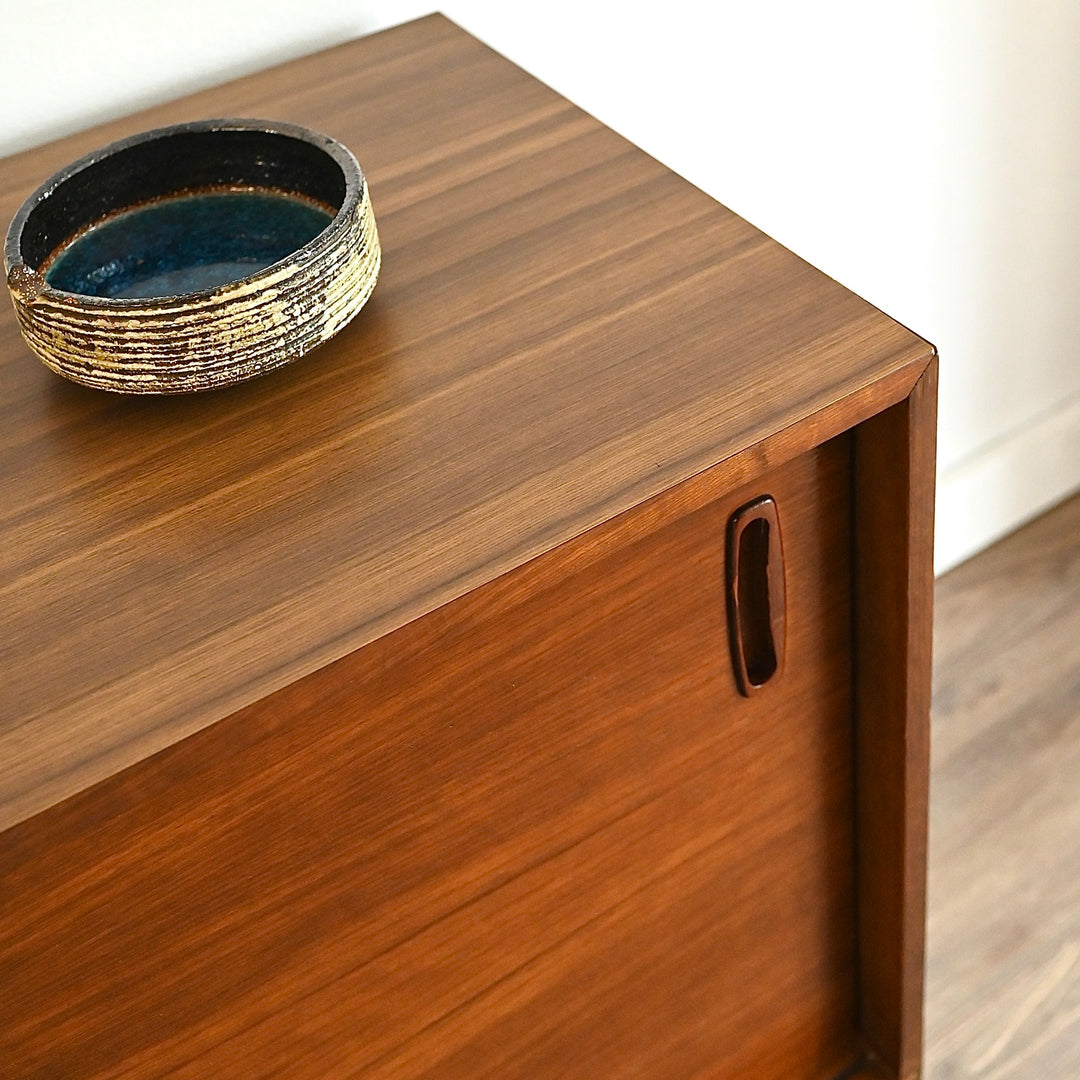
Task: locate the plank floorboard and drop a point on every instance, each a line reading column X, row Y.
column 1003, row 965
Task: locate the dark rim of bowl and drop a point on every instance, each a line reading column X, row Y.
column 334, row 150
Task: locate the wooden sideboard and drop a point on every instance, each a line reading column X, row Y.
column 378, row 718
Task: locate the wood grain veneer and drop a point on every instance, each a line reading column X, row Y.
column 376, row 717
column 483, row 845
column 562, row 329
column 894, row 555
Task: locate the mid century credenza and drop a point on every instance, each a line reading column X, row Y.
column 532, row 682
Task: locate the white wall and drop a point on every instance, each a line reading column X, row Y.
column 926, row 153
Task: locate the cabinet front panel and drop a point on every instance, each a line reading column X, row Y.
column 538, row 833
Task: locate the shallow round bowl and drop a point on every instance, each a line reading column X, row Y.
column 192, row 257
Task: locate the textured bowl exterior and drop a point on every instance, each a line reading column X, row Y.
column 200, row 341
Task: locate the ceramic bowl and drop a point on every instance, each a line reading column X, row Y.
column 192, row 257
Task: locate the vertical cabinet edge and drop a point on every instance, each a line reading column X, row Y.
column 894, row 462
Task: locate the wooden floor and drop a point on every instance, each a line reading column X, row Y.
column 1003, row 974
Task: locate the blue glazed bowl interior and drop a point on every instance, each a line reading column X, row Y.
column 180, row 210
column 185, row 243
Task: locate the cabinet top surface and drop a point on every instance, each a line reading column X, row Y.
column 561, row 329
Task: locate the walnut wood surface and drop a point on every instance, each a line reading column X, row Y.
column 894, row 581
column 536, row 833
column 562, row 329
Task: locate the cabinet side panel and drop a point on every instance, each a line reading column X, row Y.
column 535, row 834
column 894, row 529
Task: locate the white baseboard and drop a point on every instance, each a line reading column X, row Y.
column 1013, row 480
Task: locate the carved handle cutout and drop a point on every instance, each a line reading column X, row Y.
column 755, row 594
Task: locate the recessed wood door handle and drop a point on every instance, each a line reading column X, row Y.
column 755, row 594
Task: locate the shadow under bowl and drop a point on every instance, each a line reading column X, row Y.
column 193, row 256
